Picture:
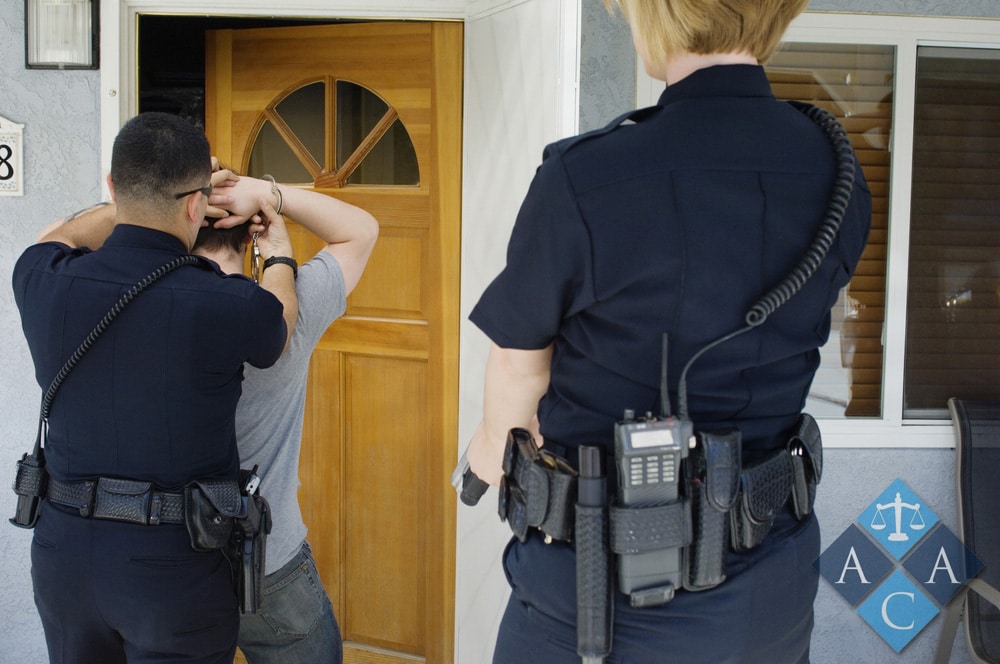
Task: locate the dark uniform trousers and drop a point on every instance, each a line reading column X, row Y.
column 141, row 579
column 763, row 612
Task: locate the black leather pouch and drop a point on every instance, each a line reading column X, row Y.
column 713, row 487
column 806, row 450
column 122, row 500
column 29, row 485
column 764, row 489
column 210, row 506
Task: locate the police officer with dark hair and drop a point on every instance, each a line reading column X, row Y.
column 675, row 223
column 148, row 409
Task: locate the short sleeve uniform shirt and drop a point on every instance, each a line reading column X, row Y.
column 154, row 399
column 676, row 222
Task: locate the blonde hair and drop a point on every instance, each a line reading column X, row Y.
column 668, row 27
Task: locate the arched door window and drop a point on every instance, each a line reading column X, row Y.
column 333, row 133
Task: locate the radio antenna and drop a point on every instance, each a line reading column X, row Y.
column 664, row 392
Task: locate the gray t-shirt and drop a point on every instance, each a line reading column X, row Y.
column 270, row 412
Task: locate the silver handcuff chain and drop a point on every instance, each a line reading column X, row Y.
column 256, row 262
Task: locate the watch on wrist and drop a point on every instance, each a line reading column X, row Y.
column 285, row 260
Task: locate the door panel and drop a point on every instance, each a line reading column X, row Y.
column 381, row 413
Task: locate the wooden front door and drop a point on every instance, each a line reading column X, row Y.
column 369, row 113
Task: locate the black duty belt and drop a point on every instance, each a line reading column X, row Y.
column 539, row 490
column 129, row 501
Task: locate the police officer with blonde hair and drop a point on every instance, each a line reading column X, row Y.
column 672, row 220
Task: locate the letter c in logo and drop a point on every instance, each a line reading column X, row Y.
column 885, row 611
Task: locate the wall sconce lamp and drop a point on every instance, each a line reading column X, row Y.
column 61, row 34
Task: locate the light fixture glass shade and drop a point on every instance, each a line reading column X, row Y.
column 61, row 34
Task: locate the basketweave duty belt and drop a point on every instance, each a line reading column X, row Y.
column 129, row 501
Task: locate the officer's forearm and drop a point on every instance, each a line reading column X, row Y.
column 89, row 227
column 515, row 381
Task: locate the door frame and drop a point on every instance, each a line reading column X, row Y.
column 547, row 112
column 119, row 38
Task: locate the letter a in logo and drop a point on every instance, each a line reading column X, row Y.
column 852, row 563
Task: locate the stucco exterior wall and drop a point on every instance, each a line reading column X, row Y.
column 60, row 112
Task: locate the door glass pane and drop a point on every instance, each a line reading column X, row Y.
column 304, row 111
column 953, row 293
column 391, row 161
column 358, row 111
column 271, row 154
column 387, row 158
column 855, row 83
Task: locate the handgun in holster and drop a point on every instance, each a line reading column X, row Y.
column 250, row 537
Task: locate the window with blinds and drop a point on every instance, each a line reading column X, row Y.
column 855, row 83
column 953, row 287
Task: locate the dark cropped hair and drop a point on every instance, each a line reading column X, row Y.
column 212, row 238
column 157, row 155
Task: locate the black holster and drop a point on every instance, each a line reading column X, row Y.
column 30, row 480
column 250, row 544
column 538, row 489
column 220, row 516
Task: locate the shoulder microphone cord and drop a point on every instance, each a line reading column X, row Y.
column 813, row 258
column 99, row 329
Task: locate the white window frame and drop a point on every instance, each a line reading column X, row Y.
column 905, row 34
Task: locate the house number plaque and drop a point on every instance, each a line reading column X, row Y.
column 11, row 159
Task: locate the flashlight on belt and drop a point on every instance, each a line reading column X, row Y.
column 468, row 485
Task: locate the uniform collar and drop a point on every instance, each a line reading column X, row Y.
column 719, row 81
column 131, row 236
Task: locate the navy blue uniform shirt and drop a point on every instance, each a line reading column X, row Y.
column 677, row 223
column 155, row 398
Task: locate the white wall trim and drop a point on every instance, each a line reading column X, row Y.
column 568, row 83
column 416, row 9
column 478, row 9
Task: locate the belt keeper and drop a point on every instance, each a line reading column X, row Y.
column 88, row 507
column 155, row 505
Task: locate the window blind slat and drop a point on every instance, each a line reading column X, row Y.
column 855, row 84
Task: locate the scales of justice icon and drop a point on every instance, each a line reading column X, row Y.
column 916, row 520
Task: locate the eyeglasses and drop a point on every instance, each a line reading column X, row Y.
column 205, row 190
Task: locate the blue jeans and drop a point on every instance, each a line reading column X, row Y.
column 295, row 623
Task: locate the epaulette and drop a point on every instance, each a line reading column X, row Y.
column 631, row 117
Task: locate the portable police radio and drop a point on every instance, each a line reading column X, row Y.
column 648, row 453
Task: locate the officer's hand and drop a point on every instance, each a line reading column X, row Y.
column 273, row 239
column 485, row 456
column 246, row 194
column 223, row 180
